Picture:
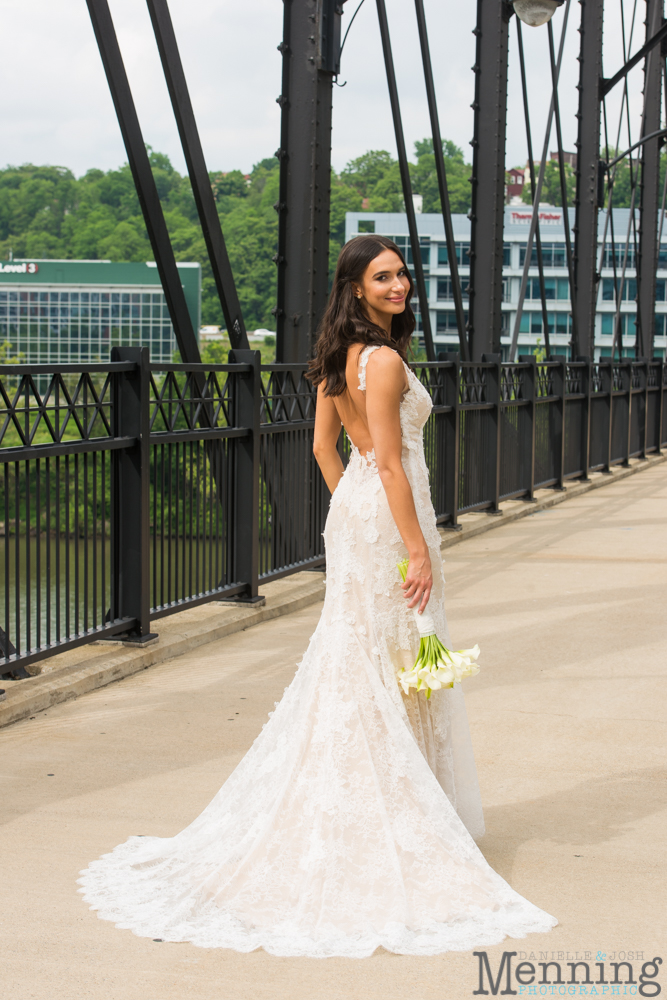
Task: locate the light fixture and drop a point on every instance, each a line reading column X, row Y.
column 536, row 12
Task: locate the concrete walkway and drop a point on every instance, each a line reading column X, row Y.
column 568, row 723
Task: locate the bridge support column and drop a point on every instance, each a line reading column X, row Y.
column 311, row 52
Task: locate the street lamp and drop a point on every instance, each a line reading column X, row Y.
column 536, row 12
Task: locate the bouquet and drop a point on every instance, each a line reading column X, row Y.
column 435, row 667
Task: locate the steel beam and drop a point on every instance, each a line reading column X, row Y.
column 649, row 196
column 533, row 192
column 406, row 184
column 563, row 186
column 149, row 200
column 488, row 178
column 442, row 179
column 588, row 164
column 658, row 36
column 310, row 50
column 201, row 184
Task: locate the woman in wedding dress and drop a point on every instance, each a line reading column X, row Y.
column 351, row 822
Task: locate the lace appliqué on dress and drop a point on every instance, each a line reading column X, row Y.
column 349, row 824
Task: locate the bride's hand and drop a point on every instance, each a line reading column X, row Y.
column 418, row 582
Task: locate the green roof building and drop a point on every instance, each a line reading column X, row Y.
column 71, row 311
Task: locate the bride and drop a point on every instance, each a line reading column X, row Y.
column 351, row 822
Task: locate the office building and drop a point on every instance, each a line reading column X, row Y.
column 531, row 334
column 71, row 311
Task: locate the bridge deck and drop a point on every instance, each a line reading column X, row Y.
column 568, row 721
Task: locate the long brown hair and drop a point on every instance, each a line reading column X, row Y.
column 345, row 321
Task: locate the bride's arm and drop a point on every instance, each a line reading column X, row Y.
column 327, row 430
column 385, row 385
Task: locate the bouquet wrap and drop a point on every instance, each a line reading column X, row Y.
column 436, row 666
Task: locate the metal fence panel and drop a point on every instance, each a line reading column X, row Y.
column 57, row 449
column 293, row 496
column 231, row 489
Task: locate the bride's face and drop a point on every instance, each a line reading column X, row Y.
column 384, row 286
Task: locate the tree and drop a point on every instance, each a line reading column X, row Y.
column 365, row 172
column 551, row 190
column 425, row 179
column 48, row 212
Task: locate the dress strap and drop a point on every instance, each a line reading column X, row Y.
column 363, row 361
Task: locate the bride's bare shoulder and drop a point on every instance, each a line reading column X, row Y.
column 386, row 356
column 385, row 361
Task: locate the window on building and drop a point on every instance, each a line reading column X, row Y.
column 366, row 226
column 628, row 325
column 553, row 255
column 445, row 292
column 627, row 352
column 618, row 251
column 507, row 249
column 554, row 288
column 660, row 290
column 446, row 321
column 403, row 243
column 462, row 254
column 77, row 326
column 559, row 322
column 661, row 325
column 629, row 291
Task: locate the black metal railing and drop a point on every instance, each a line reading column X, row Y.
column 129, row 491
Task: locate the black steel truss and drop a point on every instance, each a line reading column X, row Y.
column 442, row 180
column 405, row 181
column 201, row 185
column 144, row 181
column 487, row 215
column 311, row 61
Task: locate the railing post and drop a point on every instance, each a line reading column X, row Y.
column 131, row 417
column 531, row 393
column 585, row 444
column 560, row 390
column 452, row 436
column 245, row 518
column 645, row 377
column 662, row 371
column 626, row 372
column 608, row 379
column 645, row 371
column 493, row 376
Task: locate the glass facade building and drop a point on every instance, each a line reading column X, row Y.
column 559, row 314
column 61, row 312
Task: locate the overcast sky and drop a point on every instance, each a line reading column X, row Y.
column 56, row 107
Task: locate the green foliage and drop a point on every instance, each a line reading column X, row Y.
column 376, row 177
column 46, row 212
column 216, row 352
column 6, row 356
column 425, row 180
column 367, row 171
column 551, row 190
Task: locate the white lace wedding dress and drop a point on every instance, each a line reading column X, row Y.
column 349, row 824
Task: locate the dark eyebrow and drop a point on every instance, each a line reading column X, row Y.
column 402, row 268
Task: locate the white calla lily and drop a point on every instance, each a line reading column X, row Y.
column 436, row 667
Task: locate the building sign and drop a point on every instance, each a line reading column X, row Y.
column 546, row 218
column 22, row 268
